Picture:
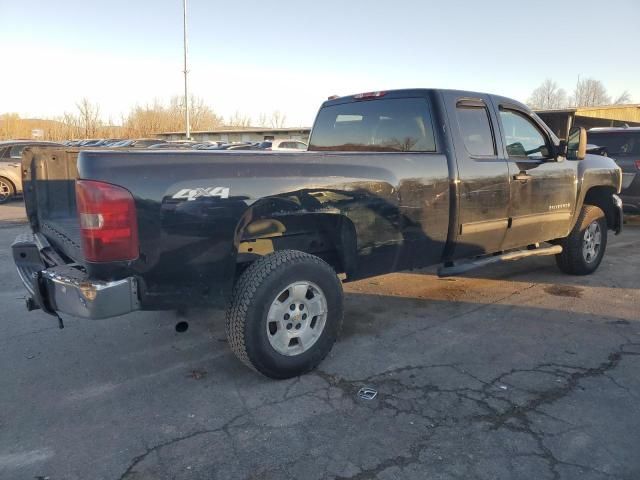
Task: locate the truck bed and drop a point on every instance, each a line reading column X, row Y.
column 191, row 205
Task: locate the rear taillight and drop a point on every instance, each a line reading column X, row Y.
column 638, row 164
column 108, row 222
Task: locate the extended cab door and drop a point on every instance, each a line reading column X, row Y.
column 543, row 190
column 483, row 175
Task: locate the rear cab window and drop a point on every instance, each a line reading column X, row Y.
column 381, row 125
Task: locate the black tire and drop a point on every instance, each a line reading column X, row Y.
column 257, row 288
column 7, row 190
column 573, row 260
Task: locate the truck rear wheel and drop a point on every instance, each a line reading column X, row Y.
column 285, row 313
column 7, row 190
column 583, row 249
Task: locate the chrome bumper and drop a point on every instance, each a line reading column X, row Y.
column 66, row 288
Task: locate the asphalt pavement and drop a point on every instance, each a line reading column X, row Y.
column 513, row 372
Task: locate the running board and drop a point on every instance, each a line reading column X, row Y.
column 457, row 269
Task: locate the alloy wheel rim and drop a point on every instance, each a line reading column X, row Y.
column 591, row 242
column 5, row 191
column 296, row 318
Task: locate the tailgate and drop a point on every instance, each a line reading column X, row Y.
column 49, row 176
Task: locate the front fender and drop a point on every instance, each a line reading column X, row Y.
column 596, row 171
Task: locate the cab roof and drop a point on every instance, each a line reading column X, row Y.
column 417, row 92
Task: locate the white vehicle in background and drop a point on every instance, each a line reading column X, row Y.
column 285, row 145
column 10, row 169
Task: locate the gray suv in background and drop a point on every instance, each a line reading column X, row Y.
column 10, row 157
column 622, row 144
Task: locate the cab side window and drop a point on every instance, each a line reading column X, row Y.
column 476, row 129
column 523, row 138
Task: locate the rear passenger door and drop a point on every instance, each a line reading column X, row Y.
column 543, row 190
column 483, row 175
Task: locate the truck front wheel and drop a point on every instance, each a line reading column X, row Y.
column 583, row 249
column 285, row 313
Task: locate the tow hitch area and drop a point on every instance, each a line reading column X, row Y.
column 449, row 270
column 31, row 304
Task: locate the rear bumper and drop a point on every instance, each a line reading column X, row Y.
column 66, row 288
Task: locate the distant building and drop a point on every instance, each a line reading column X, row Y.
column 249, row 134
column 561, row 120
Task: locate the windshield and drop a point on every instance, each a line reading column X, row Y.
column 16, row 152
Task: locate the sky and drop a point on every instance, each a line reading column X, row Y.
column 254, row 57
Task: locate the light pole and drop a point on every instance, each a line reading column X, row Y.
column 186, row 72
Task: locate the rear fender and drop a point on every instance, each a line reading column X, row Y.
column 276, row 224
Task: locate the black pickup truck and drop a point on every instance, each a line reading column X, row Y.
column 392, row 180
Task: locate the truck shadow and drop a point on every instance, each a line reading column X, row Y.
column 458, row 379
column 617, row 270
column 464, row 360
column 375, row 315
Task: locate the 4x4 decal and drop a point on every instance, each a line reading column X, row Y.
column 193, row 193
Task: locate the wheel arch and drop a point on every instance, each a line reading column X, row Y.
column 602, row 196
column 328, row 234
column 599, row 180
column 10, row 180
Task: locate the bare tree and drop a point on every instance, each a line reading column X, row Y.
column 263, row 120
column 547, row 96
column 239, row 120
column 151, row 119
column 89, row 117
column 590, row 92
column 10, row 126
column 623, row 98
column 70, row 126
column 278, row 119
column 140, row 121
column 202, row 116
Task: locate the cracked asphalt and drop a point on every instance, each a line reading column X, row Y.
column 512, row 372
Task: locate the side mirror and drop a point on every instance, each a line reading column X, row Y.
column 577, row 143
column 560, row 150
